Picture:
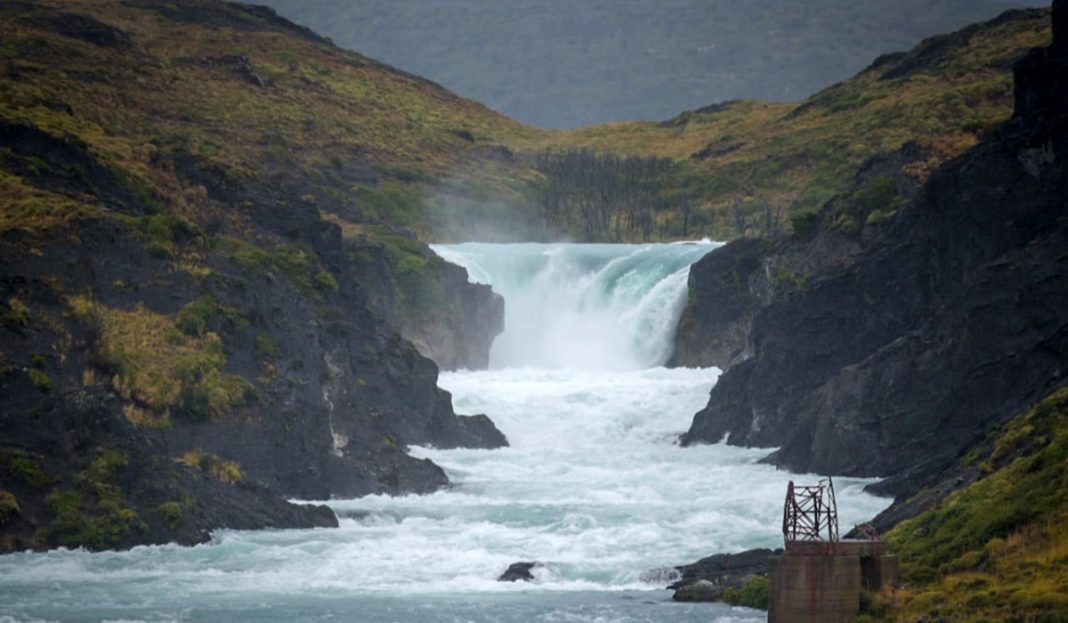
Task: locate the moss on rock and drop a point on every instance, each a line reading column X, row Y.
column 9, row 507
column 93, row 514
column 998, row 549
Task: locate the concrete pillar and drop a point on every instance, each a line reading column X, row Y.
column 814, row 589
column 817, row 582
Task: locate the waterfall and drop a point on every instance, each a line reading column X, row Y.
column 583, row 306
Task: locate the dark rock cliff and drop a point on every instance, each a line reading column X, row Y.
column 459, row 333
column 714, row 328
column 456, row 321
column 946, row 320
column 728, row 287
column 84, row 477
column 179, row 354
column 335, row 394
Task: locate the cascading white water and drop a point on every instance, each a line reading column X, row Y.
column 588, row 306
column 593, row 485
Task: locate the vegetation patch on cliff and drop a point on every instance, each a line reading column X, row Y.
column 93, row 513
column 372, row 145
column 214, row 465
column 998, row 549
column 752, row 594
column 163, row 366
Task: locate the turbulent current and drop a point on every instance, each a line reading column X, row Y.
column 593, row 485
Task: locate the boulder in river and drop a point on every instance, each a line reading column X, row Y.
column 519, row 571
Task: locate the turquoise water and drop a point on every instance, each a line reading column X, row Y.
column 585, row 306
column 593, row 485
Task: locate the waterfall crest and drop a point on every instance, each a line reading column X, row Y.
column 583, row 306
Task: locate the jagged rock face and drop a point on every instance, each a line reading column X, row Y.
column 714, row 328
column 160, row 500
column 725, row 570
column 332, row 414
column 460, row 333
column 948, row 322
column 728, row 286
column 456, row 331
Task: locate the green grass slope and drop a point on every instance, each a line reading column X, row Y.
column 247, row 95
column 998, row 549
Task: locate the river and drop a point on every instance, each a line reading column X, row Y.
column 593, row 485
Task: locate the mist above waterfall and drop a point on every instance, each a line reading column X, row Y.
column 583, row 306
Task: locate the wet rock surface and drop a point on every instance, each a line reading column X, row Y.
column 518, row 571
column 706, row 579
column 714, row 328
column 456, row 330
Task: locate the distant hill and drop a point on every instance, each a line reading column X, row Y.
column 561, row 64
column 741, row 167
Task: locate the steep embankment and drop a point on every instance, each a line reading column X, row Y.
column 891, row 353
column 370, row 147
column 994, row 550
column 202, row 275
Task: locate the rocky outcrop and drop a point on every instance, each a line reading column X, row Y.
column 449, row 320
column 944, row 322
column 699, row 590
column 186, row 337
column 334, row 398
column 708, row 578
column 714, row 327
column 730, row 285
column 458, row 332
column 518, row 571
column 83, row 475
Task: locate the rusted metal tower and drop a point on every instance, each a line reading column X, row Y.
column 819, row 578
column 810, row 513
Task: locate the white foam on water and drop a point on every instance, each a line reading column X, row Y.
column 593, row 486
column 583, row 306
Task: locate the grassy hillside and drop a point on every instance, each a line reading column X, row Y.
column 998, row 549
column 742, row 160
column 248, row 98
column 563, row 65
